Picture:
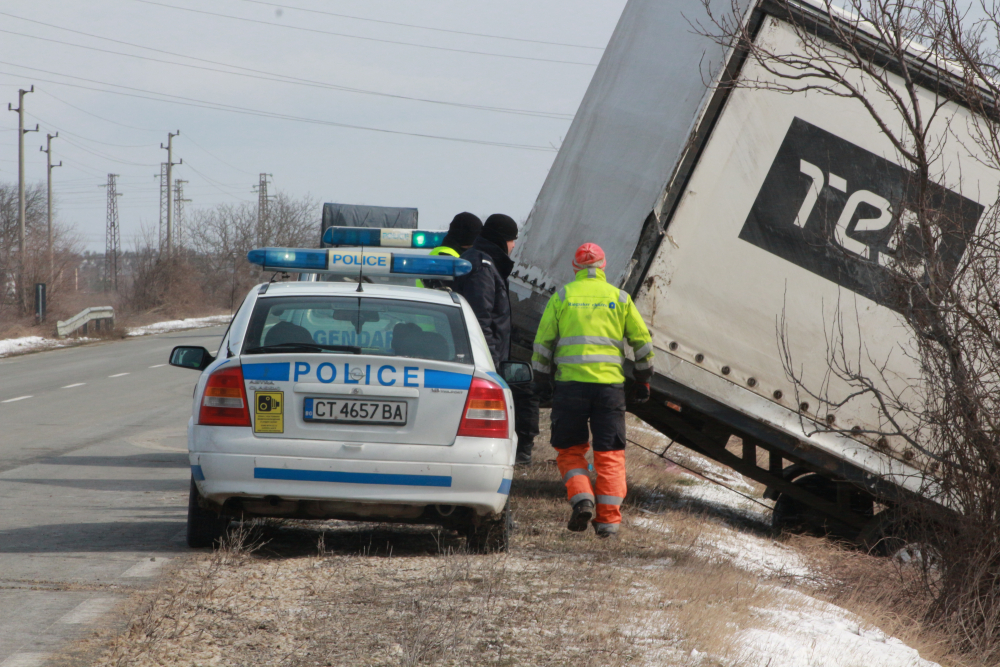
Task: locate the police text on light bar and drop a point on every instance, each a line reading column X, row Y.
column 355, row 261
column 387, row 238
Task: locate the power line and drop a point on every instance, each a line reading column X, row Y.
column 73, row 164
column 367, row 39
column 106, row 157
column 83, row 138
column 217, row 106
column 424, row 27
column 210, row 154
column 107, row 120
column 214, row 183
column 265, row 75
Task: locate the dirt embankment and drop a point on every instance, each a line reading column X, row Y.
column 696, row 578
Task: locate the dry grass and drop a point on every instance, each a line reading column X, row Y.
column 884, row 593
column 296, row 593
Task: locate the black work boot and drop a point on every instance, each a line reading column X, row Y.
column 583, row 512
column 523, row 457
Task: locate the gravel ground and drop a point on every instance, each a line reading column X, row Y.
column 690, row 581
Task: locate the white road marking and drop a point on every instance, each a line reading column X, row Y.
column 117, row 375
column 78, row 384
column 146, row 568
column 25, row 659
column 19, row 398
column 89, row 610
column 157, row 365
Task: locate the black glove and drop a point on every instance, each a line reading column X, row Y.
column 543, row 387
column 640, row 392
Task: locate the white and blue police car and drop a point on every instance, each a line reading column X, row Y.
column 352, row 400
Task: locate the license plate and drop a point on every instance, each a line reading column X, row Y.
column 354, row 411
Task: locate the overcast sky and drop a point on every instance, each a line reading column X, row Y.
column 539, row 59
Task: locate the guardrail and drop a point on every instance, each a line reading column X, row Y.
column 82, row 320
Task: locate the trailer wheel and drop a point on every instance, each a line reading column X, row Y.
column 796, row 517
column 785, row 515
column 892, row 535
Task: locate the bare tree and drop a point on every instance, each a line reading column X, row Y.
column 222, row 236
column 16, row 278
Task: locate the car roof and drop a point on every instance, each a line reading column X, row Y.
column 306, row 288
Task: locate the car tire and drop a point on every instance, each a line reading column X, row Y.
column 204, row 527
column 492, row 535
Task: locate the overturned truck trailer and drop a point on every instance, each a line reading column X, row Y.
column 754, row 231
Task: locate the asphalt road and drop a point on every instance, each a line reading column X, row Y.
column 93, row 484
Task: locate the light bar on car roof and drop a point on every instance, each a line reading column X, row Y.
column 386, row 238
column 359, row 261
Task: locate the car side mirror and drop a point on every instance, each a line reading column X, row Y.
column 516, row 372
column 195, row 358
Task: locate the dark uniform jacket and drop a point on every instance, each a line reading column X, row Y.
column 485, row 288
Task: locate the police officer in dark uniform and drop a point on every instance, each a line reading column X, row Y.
column 487, row 291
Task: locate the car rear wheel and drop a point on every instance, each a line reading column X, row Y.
column 492, row 535
column 204, row 527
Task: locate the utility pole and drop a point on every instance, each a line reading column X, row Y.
column 48, row 153
column 164, row 187
column 113, row 240
column 179, row 211
column 170, row 204
column 20, row 186
column 262, row 209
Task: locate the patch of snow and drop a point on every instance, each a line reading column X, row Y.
column 806, row 631
column 12, row 346
column 800, row 630
column 707, row 493
column 177, row 325
column 761, row 556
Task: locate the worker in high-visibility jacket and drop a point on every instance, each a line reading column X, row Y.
column 581, row 340
column 462, row 233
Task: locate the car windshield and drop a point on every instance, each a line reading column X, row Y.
column 359, row 325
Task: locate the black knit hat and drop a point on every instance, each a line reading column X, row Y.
column 500, row 227
column 463, row 230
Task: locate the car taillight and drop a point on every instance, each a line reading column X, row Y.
column 485, row 413
column 225, row 400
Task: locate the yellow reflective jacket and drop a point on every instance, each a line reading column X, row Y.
column 440, row 250
column 584, row 329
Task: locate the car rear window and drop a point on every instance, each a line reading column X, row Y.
column 365, row 325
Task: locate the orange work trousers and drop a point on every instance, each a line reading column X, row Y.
column 610, row 487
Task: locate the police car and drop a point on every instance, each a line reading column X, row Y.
column 353, row 401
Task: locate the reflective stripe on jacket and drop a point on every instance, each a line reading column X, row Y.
column 440, row 250
column 583, row 332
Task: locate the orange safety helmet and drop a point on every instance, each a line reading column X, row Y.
column 589, row 256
